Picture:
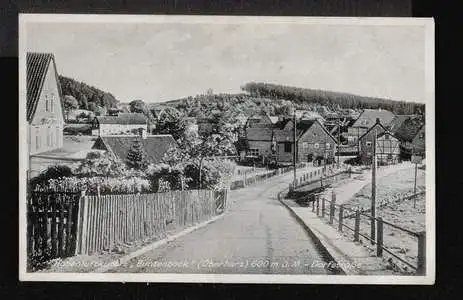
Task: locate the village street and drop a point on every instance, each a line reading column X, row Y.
column 256, row 236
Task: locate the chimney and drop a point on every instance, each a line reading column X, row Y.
column 377, row 120
column 142, row 132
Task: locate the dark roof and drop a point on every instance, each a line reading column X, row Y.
column 37, row 67
column 281, row 123
column 123, row 118
column 155, row 145
column 259, row 134
column 408, row 129
column 371, row 115
column 371, row 128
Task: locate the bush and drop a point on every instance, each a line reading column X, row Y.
column 101, row 165
column 216, row 174
column 52, row 172
column 163, row 172
column 107, row 185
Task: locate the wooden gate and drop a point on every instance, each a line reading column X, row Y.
column 51, row 224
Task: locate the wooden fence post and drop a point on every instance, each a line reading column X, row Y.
column 379, row 237
column 357, row 226
column 323, row 207
column 313, row 204
column 341, row 212
column 421, row 270
column 318, row 204
column 332, row 208
column 81, row 220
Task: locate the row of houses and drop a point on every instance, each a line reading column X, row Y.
column 397, row 137
column 268, row 137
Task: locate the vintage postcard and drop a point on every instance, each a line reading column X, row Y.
column 226, row 149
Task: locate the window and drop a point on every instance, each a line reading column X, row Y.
column 287, row 147
column 253, row 152
column 386, row 137
column 328, row 145
column 37, row 141
column 368, row 143
column 48, row 137
column 46, row 103
column 316, row 145
column 51, row 104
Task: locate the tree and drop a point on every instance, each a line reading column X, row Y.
column 92, row 106
column 136, row 157
column 171, row 122
column 138, row 106
column 69, row 103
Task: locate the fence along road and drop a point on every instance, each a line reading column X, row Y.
column 256, row 236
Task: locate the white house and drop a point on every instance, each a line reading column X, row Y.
column 45, row 113
column 123, row 123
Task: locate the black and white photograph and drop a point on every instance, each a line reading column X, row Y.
column 226, row 149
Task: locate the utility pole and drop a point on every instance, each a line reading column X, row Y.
column 373, row 191
column 294, row 147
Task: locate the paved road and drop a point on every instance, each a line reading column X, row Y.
column 256, row 236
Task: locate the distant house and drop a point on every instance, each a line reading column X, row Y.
column 155, row 146
column 260, row 120
column 411, row 134
column 45, row 113
column 260, row 142
column 120, row 124
column 387, row 145
column 312, row 141
column 365, row 121
column 206, row 126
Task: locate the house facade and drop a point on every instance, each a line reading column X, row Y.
column 365, row 121
column 312, row 141
column 45, row 113
column 260, row 142
column 387, row 145
column 123, row 123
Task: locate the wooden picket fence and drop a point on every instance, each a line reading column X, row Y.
column 62, row 224
column 109, row 220
column 51, row 223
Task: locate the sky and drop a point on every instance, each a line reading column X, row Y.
column 157, row 62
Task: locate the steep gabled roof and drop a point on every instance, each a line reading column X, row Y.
column 155, row 146
column 370, row 115
column 37, row 67
column 371, row 128
column 123, row 119
column 408, row 129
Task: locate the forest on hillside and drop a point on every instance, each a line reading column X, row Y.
column 88, row 97
column 329, row 99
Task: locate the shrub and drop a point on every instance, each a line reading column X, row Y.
column 216, row 174
column 163, row 172
column 106, row 185
column 52, row 172
column 102, row 165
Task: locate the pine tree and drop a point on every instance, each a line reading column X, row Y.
column 136, row 157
